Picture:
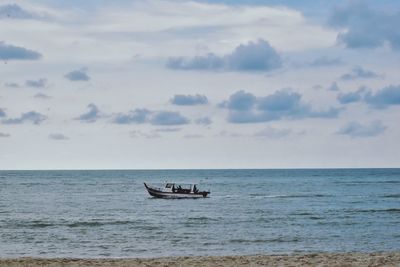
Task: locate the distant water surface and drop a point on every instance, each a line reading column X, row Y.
column 92, row 214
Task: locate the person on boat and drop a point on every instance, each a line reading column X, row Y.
column 195, row 190
column 179, row 189
column 173, row 188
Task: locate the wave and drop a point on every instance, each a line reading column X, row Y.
column 45, row 224
column 266, row 240
column 99, row 223
column 367, row 182
column 302, row 213
column 291, row 196
column 31, row 224
column 201, row 218
column 392, row 196
column 196, row 221
column 390, row 210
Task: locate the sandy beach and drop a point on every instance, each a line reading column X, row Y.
column 315, row 259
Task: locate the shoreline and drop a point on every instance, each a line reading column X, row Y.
column 310, row 259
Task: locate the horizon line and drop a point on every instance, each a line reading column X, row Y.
column 200, row 169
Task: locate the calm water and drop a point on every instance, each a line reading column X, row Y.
column 109, row 214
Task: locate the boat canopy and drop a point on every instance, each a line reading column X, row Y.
column 170, row 184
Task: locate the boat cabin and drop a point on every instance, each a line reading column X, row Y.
column 181, row 188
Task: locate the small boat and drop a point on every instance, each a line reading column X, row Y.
column 173, row 190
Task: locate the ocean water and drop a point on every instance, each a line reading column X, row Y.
column 92, row 214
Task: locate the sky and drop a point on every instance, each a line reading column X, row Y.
column 164, row 84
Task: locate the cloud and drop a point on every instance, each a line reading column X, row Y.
column 203, row 121
column 154, row 133
column 2, row 113
column 40, row 83
column 4, row 135
column 365, row 27
column 91, row 116
column 253, row 56
column 193, row 136
column 347, row 98
column 168, row 118
column 140, row 116
column 240, row 101
column 14, row 11
column 333, row 87
column 355, row 129
column 31, row 116
column 58, row 136
column 138, row 134
column 225, row 133
column 189, row 100
column 136, row 116
column 12, row 85
column 273, row 133
column 318, row 87
column 41, row 96
column 325, row 62
column 11, row 52
column 357, row 73
column 168, row 130
column 387, row 96
column 246, row 108
column 207, row 62
column 77, row 75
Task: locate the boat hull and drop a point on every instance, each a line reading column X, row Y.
column 161, row 194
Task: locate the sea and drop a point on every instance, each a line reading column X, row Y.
column 109, row 214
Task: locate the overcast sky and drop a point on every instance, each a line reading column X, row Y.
column 199, row 84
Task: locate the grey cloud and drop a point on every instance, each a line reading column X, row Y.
column 351, row 97
column 387, row 96
column 154, row 133
column 139, row 116
column 77, row 75
column 318, row 87
column 41, row 96
column 2, row 113
column 132, row 117
column 273, row 133
column 193, row 136
column 12, row 85
column 333, row 87
column 203, row 121
column 225, row 133
column 325, row 61
column 355, row 129
column 207, row 62
column 168, row 130
column 240, row 101
column 359, row 73
column 32, row 116
column 11, row 52
column 365, row 27
column 189, row 100
column 14, row 11
column 168, row 118
column 279, row 105
column 4, row 135
column 91, row 116
column 58, row 136
column 253, row 56
column 138, row 134
column 40, row 83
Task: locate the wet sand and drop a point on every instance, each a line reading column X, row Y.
column 315, row 259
